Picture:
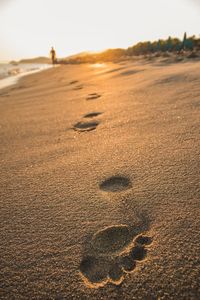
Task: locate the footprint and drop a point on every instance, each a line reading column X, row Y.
column 138, row 253
column 95, row 270
column 93, row 96
column 114, row 253
column 127, row 263
column 73, row 81
column 79, row 87
column 112, row 239
column 130, row 72
column 92, row 115
column 85, row 126
column 115, row 274
column 115, row 184
column 143, row 240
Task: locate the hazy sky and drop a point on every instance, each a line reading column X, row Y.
column 28, row 28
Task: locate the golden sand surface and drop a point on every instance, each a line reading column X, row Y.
column 100, row 183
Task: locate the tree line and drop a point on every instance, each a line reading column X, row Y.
column 168, row 45
column 142, row 48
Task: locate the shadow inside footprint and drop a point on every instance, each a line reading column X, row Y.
column 116, row 273
column 93, row 96
column 85, row 126
column 127, row 263
column 92, row 115
column 73, row 82
column 94, row 270
column 115, row 184
column 143, row 240
column 111, row 239
column 138, row 253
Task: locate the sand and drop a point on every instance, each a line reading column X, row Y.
column 100, row 183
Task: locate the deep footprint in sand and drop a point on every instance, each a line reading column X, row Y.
column 93, row 96
column 114, row 253
column 112, row 239
column 92, row 115
column 94, row 270
column 85, row 126
column 115, row 184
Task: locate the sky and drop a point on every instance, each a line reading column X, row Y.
column 28, row 28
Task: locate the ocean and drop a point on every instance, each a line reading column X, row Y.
column 9, row 74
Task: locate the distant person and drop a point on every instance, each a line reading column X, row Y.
column 53, row 55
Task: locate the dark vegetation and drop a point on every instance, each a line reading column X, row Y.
column 189, row 46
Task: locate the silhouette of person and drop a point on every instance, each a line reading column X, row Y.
column 53, row 55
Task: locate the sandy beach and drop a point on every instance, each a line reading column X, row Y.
column 100, row 182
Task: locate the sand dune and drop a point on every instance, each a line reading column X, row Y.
column 100, row 183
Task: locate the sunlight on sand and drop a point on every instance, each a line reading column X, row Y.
column 99, row 65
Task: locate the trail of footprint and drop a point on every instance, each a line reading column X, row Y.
column 86, row 126
column 114, row 252
column 116, row 184
column 93, row 96
column 92, row 115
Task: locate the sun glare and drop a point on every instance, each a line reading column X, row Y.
column 98, row 65
column 30, row 28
